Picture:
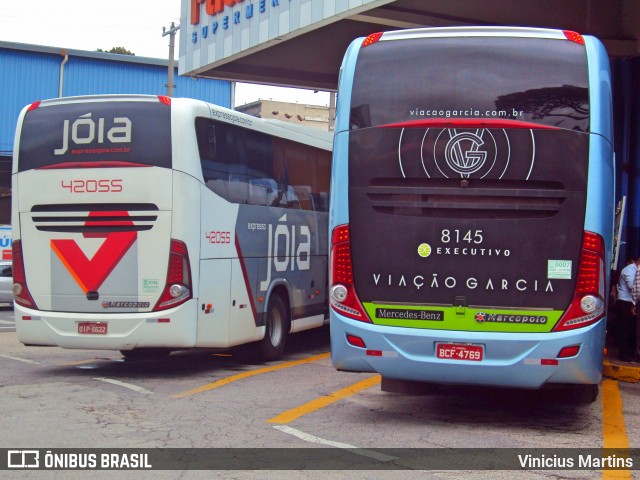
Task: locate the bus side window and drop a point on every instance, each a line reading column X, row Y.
column 305, row 200
column 238, row 188
column 262, row 191
column 211, row 142
column 211, row 146
column 219, row 187
column 293, row 201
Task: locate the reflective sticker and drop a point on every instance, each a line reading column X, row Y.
column 559, row 269
column 150, row 285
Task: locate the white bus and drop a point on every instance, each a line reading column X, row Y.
column 147, row 224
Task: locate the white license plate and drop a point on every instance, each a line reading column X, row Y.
column 92, row 328
column 456, row 351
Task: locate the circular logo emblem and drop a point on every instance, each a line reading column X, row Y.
column 466, row 153
column 480, row 316
column 424, row 250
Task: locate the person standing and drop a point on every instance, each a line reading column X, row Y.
column 625, row 305
column 635, row 296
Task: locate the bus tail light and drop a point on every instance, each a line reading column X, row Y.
column 342, row 293
column 178, row 286
column 356, row 341
column 33, row 106
column 587, row 305
column 371, row 39
column 21, row 293
column 568, row 352
column 574, row 37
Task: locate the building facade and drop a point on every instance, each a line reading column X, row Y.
column 313, row 116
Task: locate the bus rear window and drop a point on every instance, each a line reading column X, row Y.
column 96, row 132
column 544, row 81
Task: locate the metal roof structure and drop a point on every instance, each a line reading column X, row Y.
column 300, row 43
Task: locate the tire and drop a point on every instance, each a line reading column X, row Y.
column 585, row 394
column 277, row 328
column 138, row 354
column 408, row 387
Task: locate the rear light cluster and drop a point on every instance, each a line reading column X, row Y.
column 574, row 36
column 587, row 305
column 178, row 286
column 33, row 106
column 342, row 293
column 20, row 291
column 371, row 39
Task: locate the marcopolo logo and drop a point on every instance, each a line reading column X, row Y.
column 107, row 305
column 466, row 153
column 482, row 317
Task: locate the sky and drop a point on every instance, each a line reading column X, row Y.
column 133, row 24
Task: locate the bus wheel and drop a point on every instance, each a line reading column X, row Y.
column 277, row 328
column 145, row 353
column 585, row 394
column 408, row 387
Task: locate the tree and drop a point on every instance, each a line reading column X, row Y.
column 567, row 102
column 118, row 50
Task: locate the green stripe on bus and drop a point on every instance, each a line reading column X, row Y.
column 463, row 318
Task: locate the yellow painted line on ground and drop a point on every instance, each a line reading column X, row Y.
column 623, row 373
column 614, row 432
column 322, row 402
column 251, row 373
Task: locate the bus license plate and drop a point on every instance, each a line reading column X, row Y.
column 92, row 328
column 453, row 351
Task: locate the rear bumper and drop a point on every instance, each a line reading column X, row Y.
column 174, row 328
column 509, row 359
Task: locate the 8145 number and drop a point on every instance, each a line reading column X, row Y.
column 459, row 236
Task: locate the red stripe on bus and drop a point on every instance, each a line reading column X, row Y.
column 107, row 164
column 246, row 279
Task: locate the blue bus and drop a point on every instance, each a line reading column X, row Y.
column 472, row 208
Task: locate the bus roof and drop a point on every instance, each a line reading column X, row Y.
column 319, row 138
column 521, row 32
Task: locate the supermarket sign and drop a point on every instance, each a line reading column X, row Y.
column 215, row 32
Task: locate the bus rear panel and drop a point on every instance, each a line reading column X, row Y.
column 93, row 215
column 148, row 224
column 476, row 244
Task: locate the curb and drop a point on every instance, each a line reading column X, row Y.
column 621, row 372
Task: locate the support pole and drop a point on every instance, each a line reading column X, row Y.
column 172, row 36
